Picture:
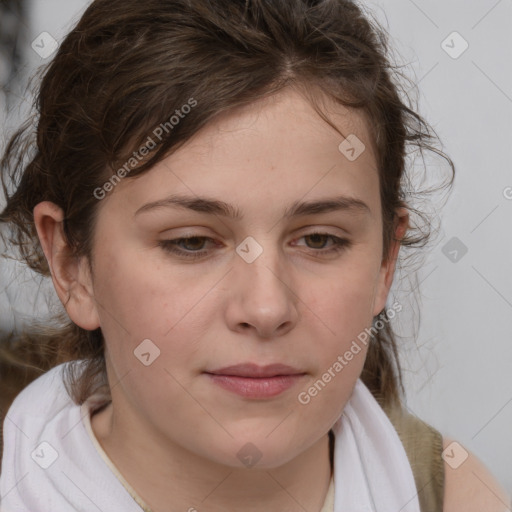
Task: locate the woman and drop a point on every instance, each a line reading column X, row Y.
column 217, row 195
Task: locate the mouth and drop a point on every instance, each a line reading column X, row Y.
column 252, row 381
column 254, row 371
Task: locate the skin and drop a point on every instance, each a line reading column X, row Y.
column 295, row 304
column 470, row 487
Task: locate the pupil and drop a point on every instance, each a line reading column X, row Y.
column 316, row 238
column 190, row 242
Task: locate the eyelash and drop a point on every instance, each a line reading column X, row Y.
column 339, row 244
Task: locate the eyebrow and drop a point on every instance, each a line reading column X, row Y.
column 217, row 207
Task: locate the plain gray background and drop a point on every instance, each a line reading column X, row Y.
column 458, row 373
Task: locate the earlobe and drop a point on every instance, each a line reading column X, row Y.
column 387, row 270
column 70, row 275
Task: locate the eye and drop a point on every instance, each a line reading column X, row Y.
column 195, row 247
column 319, row 240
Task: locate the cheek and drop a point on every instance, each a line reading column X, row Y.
column 136, row 302
column 346, row 314
column 345, row 311
column 344, row 299
column 324, row 395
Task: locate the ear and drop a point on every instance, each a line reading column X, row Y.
column 70, row 275
column 387, row 269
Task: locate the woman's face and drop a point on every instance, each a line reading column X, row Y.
column 281, row 282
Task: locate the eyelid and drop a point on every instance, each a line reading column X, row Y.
column 310, row 229
column 324, row 229
column 171, row 245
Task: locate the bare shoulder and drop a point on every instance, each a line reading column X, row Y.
column 469, row 485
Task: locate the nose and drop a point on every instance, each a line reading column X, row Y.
column 262, row 298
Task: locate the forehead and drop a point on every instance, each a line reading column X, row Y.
column 290, row 115
column 276, row 149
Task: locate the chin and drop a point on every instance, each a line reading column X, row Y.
column 259, row 451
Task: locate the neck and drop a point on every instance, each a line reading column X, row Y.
column 162, row 472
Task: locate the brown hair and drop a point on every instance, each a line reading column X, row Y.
column 129, row 65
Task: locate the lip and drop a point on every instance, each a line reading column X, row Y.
column 252, row 381
column 255, row 371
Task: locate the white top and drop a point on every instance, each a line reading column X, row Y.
column 52, row 461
